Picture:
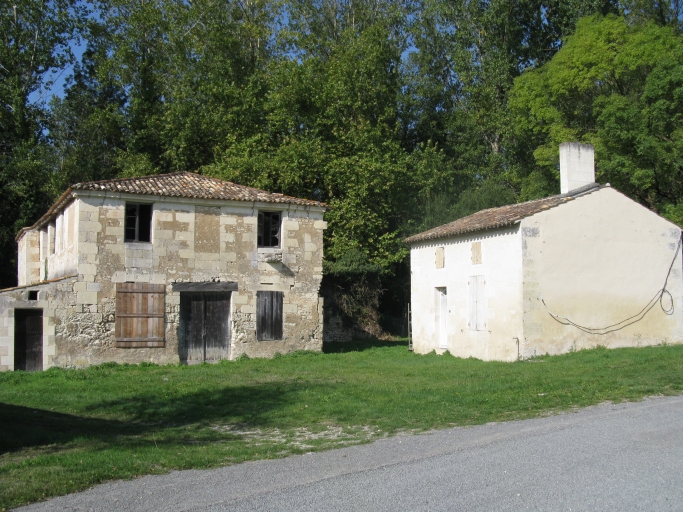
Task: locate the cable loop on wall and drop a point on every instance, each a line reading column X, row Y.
column 658, row 297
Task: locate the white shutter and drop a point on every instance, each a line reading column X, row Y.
column 480, row 303
column 477, row 303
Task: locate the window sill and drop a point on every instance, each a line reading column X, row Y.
column 138, row 245
column 270, row 254
column 140, row 344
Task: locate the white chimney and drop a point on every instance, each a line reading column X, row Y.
column 577, row 166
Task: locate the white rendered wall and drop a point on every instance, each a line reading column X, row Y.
column 501, row 267
column 64, row 260
column 598, row 260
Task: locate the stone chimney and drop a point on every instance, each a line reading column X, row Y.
column 577, row 166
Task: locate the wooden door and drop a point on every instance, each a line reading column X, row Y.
column 269, row 315
column 216, row 326
column 28, row 339
column 205, row 325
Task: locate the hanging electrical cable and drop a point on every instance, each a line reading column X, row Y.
column 658, row 297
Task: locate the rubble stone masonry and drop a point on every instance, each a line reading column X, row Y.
column 197, row 241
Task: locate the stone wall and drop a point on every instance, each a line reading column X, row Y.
column 57, row 301
column 199, row 241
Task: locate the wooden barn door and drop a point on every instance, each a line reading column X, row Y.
column 205, row 325
column 28, row 339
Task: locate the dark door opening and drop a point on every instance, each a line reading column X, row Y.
column 28, row 339
column 204, row 326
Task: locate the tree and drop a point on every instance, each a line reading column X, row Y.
column 86, row 125
column 469, row 54
column 36, row 36
column 620, row 87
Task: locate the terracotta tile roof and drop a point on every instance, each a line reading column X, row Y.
column 191, row 185
column 181, row 184
column 498, row 217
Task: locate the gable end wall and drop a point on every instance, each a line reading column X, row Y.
column 598, row 260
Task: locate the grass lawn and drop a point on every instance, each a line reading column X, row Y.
column 65, row 430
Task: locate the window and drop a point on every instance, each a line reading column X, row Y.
column 440, row 261
column 33, row 295
column 140, row 315
column 269, row 315
column 269, row 229
column 138, row 222
column 476, row 253
column 477, row 303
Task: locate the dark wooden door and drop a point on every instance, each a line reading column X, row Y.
column 217, row 326
column 28, row 339
column 269, row 315
column 205, row 325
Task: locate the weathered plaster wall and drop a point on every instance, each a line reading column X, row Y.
column 501, row 267
column 64, row 261
column 52, row 250
column 28, row 258
column 598, row 260
column 193, row 243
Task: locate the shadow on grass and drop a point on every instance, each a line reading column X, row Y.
column 341, row 347
column 24, row 427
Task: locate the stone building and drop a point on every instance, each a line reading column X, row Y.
column 584, row 268
column 168, row 268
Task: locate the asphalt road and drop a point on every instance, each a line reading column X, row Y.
column 611, row 457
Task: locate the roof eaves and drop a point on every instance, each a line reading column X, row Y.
column 561, row 199
column 57, row 207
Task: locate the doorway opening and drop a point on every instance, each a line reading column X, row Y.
column 28, row 339
column 204, row 326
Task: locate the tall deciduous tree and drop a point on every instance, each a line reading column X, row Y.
column 618, row 86
column 36, row 37
column 469, row 54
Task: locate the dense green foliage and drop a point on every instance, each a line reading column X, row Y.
column 620, row 88
column 402, row 115
column 65, row 430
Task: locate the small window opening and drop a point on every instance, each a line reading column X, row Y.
column 33, row 295
column 269, row 229
column 138, row 222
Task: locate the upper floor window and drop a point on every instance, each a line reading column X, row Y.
column 138, row 222
column 269, row 229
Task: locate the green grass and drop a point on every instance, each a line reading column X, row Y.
column 65, row 430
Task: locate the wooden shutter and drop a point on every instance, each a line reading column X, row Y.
column 477, row 303
column 140, row 315
column 476, row 253
column 439, row 257
column 269, row 315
